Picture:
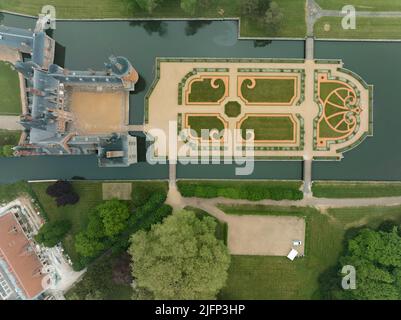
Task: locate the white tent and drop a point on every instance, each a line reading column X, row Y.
column 292, row 255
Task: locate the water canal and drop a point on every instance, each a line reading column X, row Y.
column 88, row 44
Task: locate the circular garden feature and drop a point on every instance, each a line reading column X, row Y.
column 232, row 109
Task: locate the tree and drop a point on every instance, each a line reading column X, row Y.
column 87, row 246
column 273, row 17
column 148, row 5
column 180, row 258
column 114, row 215
column 64, row 193
column 68, row 198
column 376, row 256
column 59, row 188
column 51, row 233
column 250, row 7
column 189, row 6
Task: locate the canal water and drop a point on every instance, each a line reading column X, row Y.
column 88, row 45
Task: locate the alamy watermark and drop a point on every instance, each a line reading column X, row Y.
column 210, row 147
column 349, row 20
column 349, row 279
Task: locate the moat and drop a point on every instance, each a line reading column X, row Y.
column 88, row 44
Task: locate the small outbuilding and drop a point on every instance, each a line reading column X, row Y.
column 293, row 254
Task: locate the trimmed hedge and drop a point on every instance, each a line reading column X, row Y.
column 253, row 191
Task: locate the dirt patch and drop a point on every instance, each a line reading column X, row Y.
column 121, row 191
column 265, row 235
column 99, row 112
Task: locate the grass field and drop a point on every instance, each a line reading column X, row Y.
column 330, row 189
column 197, row 123
column 293, row 24
column 10, row 100
column 269, row 128
column 9, row 137
column 366, row 28
column 202, row 91
column 252, row 277
column 365, row 5
column 259, row 277
column 268, row 90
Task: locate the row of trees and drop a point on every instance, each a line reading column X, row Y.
column 241, row 191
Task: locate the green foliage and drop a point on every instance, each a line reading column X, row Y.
column 6, row 151
column 99, row 282
column 189, row 6
column 148, row 5
column 106, row 221
column 114, row 214
column 87, row 246
column 253, row 191
column 376, row 257
column 52, row 233
column 273, row 17
column 180, row 258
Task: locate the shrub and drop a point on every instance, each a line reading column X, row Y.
column 52, row 233
column 59, row 188
column 69, row 198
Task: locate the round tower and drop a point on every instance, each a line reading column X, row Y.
column 122, row 68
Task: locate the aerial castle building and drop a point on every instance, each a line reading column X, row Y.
column 72, row 112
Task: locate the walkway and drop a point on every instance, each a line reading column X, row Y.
column 314, row 12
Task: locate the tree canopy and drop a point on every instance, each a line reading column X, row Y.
column 376, row 256
column 114, row 214
column 51, row 233
column 180, row 258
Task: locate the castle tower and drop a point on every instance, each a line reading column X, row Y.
column 122, row 68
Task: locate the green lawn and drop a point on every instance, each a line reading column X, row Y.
column 269, row 128
column 293, row 24
column 362, row 5
column 331, row 189
column 11, row 191
column 256, row 277
column 232, row 109
column 365, row 216
column 9, row 137
column 202, row 91
column 10, row 100
column 268, row 90
column 197, row 123
column 265, row 277
column 366, row 28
